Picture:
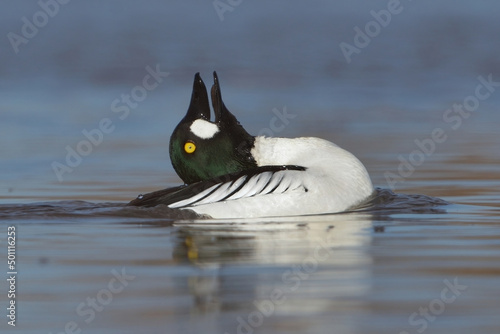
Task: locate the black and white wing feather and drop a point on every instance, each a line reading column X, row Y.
column 255, row 182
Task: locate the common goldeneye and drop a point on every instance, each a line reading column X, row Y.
column 229, row 173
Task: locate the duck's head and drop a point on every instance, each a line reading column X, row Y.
column 201, row 149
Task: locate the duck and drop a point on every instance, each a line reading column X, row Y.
column 229, row 174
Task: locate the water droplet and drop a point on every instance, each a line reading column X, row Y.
column 141, row 196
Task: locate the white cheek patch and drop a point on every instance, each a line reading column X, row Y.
column 204, row 129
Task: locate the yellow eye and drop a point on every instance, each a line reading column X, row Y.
column 189, row 147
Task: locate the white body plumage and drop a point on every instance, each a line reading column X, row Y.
column 334, row 181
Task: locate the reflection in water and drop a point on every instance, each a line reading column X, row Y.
column 217, row 278
column 251, row 272
column 281, row 275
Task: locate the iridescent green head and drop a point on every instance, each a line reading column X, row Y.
column 201, row 149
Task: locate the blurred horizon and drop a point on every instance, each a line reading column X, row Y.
column 90, row 97
column 65, row 79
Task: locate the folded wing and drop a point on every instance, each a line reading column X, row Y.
column 254, row 182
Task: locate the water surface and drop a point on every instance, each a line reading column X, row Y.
column 407, row 264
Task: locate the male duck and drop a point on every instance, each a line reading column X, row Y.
column 229, row 173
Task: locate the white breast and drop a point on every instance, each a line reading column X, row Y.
column 335, row 181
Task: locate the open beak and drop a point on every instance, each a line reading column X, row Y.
column 217, row 103
column 222, row 114
column 199, row 106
